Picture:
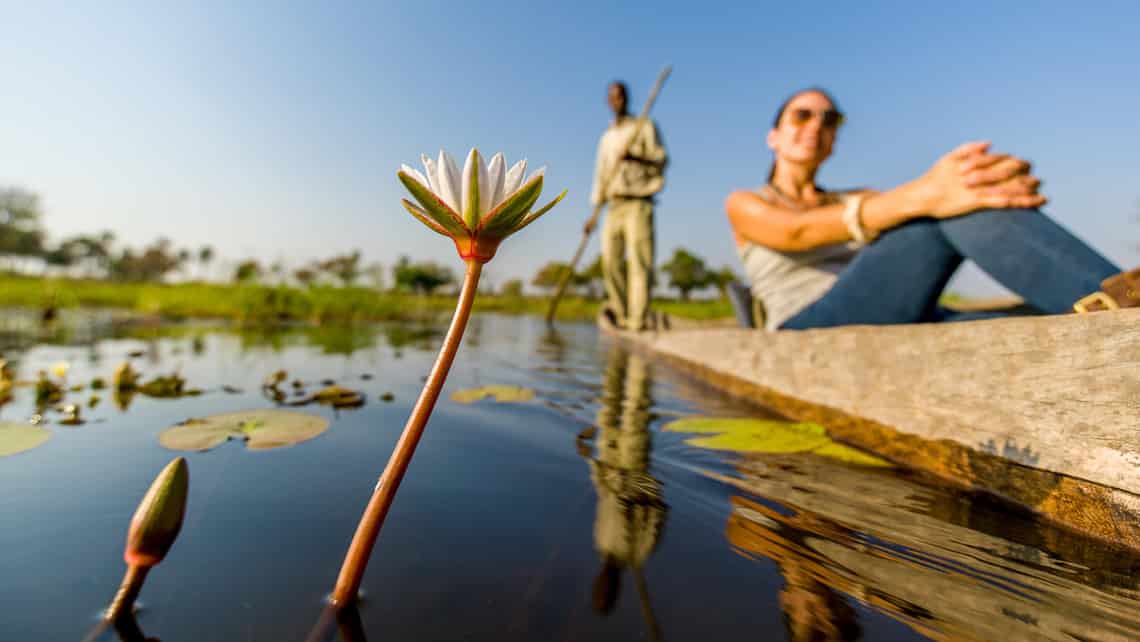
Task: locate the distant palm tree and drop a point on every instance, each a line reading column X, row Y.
column 205, row 255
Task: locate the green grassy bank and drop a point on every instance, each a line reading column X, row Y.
column 253, row 303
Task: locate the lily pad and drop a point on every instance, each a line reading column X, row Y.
column 17, row 438
column 501, row 393
column 770, row 437
column 260, row 429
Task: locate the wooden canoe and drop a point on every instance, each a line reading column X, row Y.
column 1043, row 411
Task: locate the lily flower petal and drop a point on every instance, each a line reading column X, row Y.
column 514, row 178
column 429, row 169
column 416, row 175
column 448, row 187
column 496, row 172
column 424, row 217
column 541, row 171
column 504, row 218
column 471, row 188
column 434, row 206
column 533, row 216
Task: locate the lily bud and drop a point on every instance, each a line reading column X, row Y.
column 158, row 518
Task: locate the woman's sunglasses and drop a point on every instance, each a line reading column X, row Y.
column 832, row 118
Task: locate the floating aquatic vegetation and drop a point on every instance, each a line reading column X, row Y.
column 6, row 382
column 338, row 397
column 71, row 415
column 47, row 391
column 93, row 401
column 98, row 384
column 168, row 387
column 260, row 429
column 501, row 393
column 123, row 397
column 766, row 436
column 275, row 379
column 387, row 396
column 17, row 438
column 125, row 377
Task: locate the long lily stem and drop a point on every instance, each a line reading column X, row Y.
column 355, row 561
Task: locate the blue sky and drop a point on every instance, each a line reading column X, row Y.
column 275, row 129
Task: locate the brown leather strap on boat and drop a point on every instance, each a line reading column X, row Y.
column 1119, row 291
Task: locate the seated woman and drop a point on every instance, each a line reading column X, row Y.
column 818, row 259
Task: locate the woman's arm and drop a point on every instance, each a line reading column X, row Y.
column 756, row 220
column 964, row 180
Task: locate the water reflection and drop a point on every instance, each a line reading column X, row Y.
column 913, row 553
column 124, row 629
column 338, row 624
column 552, row 347
column 813, row 610
column 342, row 340
column 630, row 513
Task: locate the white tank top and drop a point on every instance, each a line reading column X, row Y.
column 788, row 282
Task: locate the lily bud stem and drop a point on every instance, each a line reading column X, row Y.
column 128, row 592
column 355, row 561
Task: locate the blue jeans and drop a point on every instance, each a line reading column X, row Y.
column 899, row 277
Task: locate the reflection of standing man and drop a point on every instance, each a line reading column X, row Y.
column 630, row 513
column 627, row 183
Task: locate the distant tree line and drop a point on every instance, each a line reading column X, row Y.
column 684, row 271
column 23, row 239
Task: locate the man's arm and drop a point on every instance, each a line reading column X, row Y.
column 600, row 170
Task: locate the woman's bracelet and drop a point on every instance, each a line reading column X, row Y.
column 853, row 219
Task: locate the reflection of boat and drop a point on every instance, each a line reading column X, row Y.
column 925, row 557
column 1040, row 410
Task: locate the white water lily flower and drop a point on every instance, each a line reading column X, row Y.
column 477, row 208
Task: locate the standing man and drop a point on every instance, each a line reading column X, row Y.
column 632, row 158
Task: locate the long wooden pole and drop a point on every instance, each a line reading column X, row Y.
column 355, row 561
column 609, row 178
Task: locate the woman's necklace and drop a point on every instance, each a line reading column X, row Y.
column 779, row 192
column 798, row 204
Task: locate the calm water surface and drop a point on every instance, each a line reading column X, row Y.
column 516, row 521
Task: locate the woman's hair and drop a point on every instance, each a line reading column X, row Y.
column 784, row 107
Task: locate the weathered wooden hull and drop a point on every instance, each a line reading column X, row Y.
column 1044, row 411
